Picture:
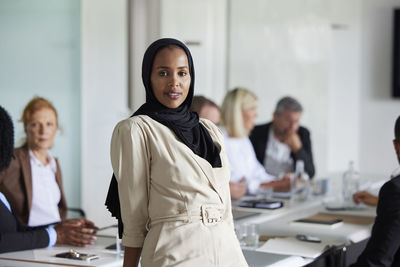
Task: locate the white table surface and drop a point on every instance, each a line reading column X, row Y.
column 269, row 222
column 46, row 256
column 278, row 222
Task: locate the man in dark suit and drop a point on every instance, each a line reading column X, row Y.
column 383, row 247
column 281, row 143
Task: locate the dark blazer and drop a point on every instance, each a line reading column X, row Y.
column 383, row 247
column 16, row 185
column 259, row 139
column 15, row 236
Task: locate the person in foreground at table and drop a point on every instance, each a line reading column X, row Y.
column 239, row 111
column 14, row 235
column 32, row 183
column 383, row 247
column 206, row 109
column 172, row 173
column 280, row 143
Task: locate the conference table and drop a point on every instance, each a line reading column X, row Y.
column 46, row 256
column 272, row 225
column 278, row 224
column 279, row 229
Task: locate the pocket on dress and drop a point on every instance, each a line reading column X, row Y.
column 181, row 242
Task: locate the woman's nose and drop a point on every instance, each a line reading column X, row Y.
column 41, row 129
column 174, row 81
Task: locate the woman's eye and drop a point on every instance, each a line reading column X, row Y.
column 182, row 73
column 162, row 73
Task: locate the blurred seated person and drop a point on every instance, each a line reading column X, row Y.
column 32, row 183
column 238, row 113
column 383, row 247
column 206, row 108
column 280, row 143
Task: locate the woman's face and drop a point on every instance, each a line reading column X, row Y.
column 41, row 129
column 170, row 78
column 249, row 117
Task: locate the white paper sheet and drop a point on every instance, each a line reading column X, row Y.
column 292, row 246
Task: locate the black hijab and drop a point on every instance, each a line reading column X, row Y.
column 6, row 139
column 183, row 123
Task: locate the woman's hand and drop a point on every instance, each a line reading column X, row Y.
column 76, row 232
column 238, row 189
column 294, row 142
column 366, row 198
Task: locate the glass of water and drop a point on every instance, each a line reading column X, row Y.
column 248, row 235
column 264, row 192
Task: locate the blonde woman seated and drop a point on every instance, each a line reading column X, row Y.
column 239, row 110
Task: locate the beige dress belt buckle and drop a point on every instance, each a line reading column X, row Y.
column 211, row 214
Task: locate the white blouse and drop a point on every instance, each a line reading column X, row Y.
column 244, row 164
column 45, row 192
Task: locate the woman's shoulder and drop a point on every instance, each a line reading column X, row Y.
column 135, row 121
column 212, row 128
column 21, row 152
column 139, row 126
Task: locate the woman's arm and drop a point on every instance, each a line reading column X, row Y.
column 131, row 257
column 131, row 165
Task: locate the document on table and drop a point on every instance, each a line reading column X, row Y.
column 324, row 220
column 293, row 246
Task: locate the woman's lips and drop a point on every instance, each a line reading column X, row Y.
column 173, row 95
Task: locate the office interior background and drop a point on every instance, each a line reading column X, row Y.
column 85, row 56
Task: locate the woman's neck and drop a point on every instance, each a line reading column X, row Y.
column 41, row 155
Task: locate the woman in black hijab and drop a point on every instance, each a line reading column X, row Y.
column 172, row 172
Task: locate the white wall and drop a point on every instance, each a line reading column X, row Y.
column 342, row 134
column 335, row 57
column 199, row 24
column 202, row 26
column 104, row 97
column 280, row 48
column 40, row 56
column 378, row 109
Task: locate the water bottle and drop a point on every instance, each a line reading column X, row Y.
column 350, row 184
column 300, row 183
